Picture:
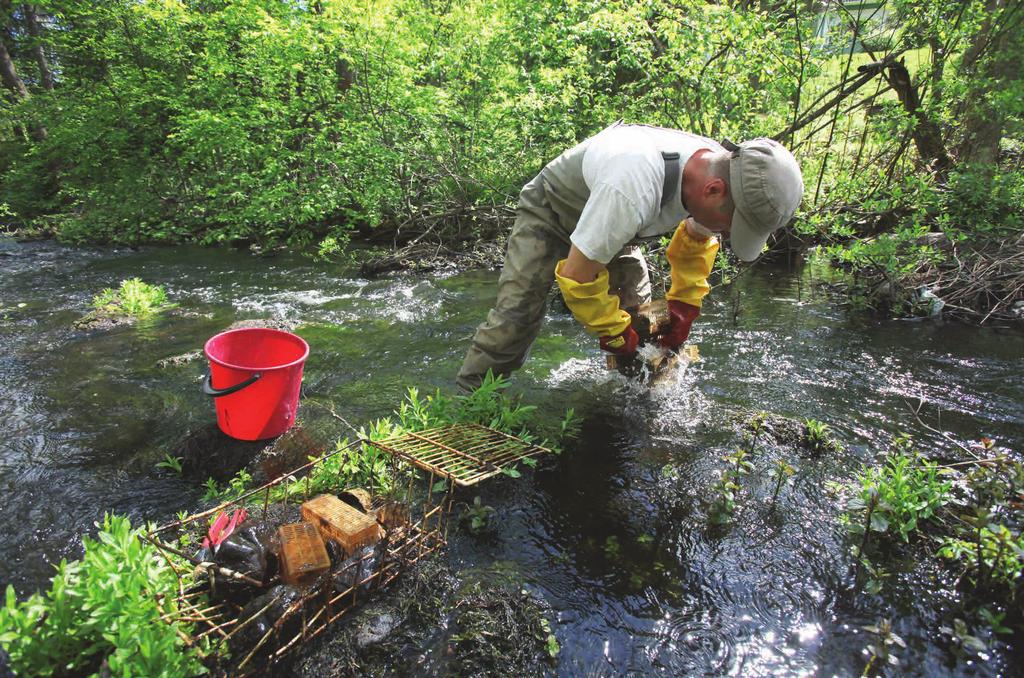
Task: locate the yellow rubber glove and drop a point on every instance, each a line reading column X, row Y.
column 690, row 261
column 591, row 304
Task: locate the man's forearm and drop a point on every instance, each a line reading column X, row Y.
column 580, row 267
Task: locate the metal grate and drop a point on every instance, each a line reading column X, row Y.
column 463, row 453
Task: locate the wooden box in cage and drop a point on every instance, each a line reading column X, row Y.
column 303, row 555
column 336, row 520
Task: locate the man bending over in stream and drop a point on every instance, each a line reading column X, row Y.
column 580, row 221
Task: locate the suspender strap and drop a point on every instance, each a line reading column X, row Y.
column 673, row 170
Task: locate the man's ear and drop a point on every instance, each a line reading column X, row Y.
column 715, row 188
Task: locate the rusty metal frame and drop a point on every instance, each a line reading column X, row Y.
column 443, row 451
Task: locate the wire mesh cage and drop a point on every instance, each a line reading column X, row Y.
column 233, row 595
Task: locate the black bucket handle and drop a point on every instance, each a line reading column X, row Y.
column 209, row 390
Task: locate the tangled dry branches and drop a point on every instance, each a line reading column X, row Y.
column 982, row 284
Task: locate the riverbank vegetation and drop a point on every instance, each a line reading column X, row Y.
column 405, row 123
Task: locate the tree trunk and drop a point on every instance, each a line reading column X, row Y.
column 926, row 133
column 45, row 74
column 9, row 74
column 993, row 60
column 11, row 80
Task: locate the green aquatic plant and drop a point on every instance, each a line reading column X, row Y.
column 134, row 298
column 170, row 463
column 550, row 642
column 478, row 516
column 570, row 425
column 962, row 640
column 351, row 465
column 818, row 437
column 488, row 405
column 995, row 621
column 880, row 649
column 756, row 426
column 781, row 472
column 212, row 492
column 109, row 613
column 995, row 553
column 726, row 488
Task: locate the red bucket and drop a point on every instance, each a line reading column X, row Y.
column 257, row 373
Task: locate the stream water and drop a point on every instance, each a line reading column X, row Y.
column 614, row 532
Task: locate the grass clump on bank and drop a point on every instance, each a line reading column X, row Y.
column 104, row 615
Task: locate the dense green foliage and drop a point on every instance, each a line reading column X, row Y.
column 102, row 615
column 273, row 120
column 898, row 495
column 306, row 122
column 300, row 122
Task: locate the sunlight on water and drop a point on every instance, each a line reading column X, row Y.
column 581, row 370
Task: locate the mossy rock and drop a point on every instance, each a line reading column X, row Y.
column 102, row 320
column 780, row 430
column 811, row 436
column 429, row 623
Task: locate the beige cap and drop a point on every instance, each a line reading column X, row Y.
column 766, row 186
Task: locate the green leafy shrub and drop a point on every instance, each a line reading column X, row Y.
column 477, row 516
column 102, row 615
column 726, row 488
column 899, row 495
column 488, row 405
column 996, row 552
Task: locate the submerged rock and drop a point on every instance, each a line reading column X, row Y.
column 378, row 623
column 207, row 452
column 788, row 432
column 179, row 360
column 269, row 323
column 99, row 321
column 292, row 450
column 197, row 354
